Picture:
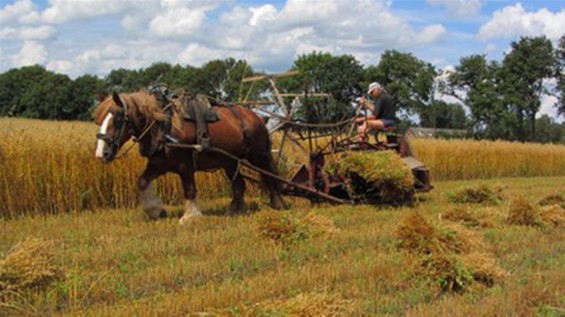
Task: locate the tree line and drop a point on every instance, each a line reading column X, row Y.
column 502, row 98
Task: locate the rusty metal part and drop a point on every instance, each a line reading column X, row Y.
column 261, row 171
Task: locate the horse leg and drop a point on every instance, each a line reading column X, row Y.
column 191, row 211
column 274, row 187
column 275, row 195
column 237, row 204
column 150, row 202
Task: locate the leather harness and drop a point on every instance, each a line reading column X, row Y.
column 198, row 109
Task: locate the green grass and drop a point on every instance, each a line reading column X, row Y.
column 117, row 263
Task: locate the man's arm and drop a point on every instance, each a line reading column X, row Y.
column 362, row 119
column 367, row 104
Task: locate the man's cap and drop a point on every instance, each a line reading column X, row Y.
column 372, row 86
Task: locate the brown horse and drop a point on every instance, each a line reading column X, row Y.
column 122, row 116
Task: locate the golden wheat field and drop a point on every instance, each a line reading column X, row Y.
column 487, row 241
column 52, row 165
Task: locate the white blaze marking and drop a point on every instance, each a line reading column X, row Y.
column 101, row 145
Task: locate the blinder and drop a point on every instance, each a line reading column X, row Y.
column 120, row 122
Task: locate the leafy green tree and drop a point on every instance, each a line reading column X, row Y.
column 409, row 80
column 560, row 75
column 524, row 69
column 444, row 115
column 548, row 131
column 188, row 78
column 117, row 79
column 8, row 92
column 324, row 73
column 46, row 98
column 154, row 72
column 32, row 92
column 476, row 83
column 14, row 85
column 81, row 97
column 223, row 78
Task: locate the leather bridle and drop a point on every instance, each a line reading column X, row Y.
column 121, row 122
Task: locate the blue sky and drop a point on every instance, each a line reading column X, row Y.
column 76, row 37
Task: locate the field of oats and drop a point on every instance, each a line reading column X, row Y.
column 487, row 241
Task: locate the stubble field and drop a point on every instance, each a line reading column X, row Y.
column 487, row 241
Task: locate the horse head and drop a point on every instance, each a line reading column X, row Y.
column 115, row 127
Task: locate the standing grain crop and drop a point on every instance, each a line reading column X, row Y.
column 49, row 167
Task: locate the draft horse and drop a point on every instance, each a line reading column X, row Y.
column 127, row 115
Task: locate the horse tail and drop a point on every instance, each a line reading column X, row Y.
column 259, row 151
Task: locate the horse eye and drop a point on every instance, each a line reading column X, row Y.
column 118, row 120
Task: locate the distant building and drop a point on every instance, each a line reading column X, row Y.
column 426, row 133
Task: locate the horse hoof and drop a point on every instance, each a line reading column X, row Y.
column 279, row 204
column 188, row 219
column 156, row 214
column 236, row 211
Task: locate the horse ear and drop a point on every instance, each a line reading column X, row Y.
column 101, row 97
column 117, row 99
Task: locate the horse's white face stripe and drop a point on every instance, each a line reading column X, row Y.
column 100, row 145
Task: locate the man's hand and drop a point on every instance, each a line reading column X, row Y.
column 362, row 119
column 366, row 103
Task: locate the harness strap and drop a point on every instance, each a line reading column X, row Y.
column 197, row 109
column 124, row 104
column 203, row 137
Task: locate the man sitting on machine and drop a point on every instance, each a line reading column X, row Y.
column 383, row 111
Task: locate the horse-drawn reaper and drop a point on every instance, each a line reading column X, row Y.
column 182, row 134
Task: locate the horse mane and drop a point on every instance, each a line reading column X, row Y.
column 178, row 101
column 140, row 104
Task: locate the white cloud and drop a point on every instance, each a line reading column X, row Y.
column 31, row 53
column 177, row 19
column 284, row 45
column 27, row 33
column 548, row 101
column 89, row 57
column 192, row 4
column 60, row 66
column 490, row 48
column 197, row 54
column 68, row 10
column 304, row 12
column 264, row 14
column 133, row 23
column 114, row 51
column 266, row 35
column 332, row 25
column 20, row 22
column 430, row 34
column 308, row 48
column 22, row 11
column 338, row 22
column 514, row 21
column 180, row 22
column 548, row 107
column 459, row 7
column 112, row 56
